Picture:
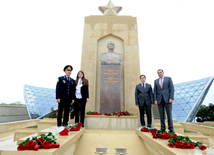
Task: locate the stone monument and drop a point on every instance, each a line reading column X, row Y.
column 110, row 81
column 98, row 31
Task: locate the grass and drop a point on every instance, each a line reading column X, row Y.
column 33, row 126
column 210, row 125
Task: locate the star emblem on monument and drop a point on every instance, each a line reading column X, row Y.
column 110, row 9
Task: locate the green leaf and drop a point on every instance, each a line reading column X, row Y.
column 187, row 138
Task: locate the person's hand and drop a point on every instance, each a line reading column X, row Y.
column 137, row 105
column 58, row 100
column 170, row 100
column 87, row 100
column 155, row 102
column 152, row 105
column 72, row 102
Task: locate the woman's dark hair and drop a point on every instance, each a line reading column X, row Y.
column 84, row 80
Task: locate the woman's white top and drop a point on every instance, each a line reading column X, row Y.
column 78, row 89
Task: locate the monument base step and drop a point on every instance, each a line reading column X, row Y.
column 177, row 126
column 111, row 122
column 68, row 144
column 49, row 122
column 160, row 147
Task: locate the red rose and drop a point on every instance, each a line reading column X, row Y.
column 20, row 147
column 159, row 134
column 79, row 124
column 41, row 139
column 171, row 145
column 175, row 135
column 52, row 145
column 30, row 142
column 25, row 147
column 62, row 133
column 36, row 148
column 155, row 137
column 170, row 136
column 177, row 145
column 48, row 146
column 202, row 147
column 178, row 142
column 163, row 137
column 153, row 134
column 72, row 128
column 45, row 143
column 183, row 147
column 185, row 144
column 192, row 146
column 40, row 146
column 57, row 145
column 34, row 144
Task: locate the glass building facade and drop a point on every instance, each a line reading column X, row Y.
column 39, row 101
column 188, row 98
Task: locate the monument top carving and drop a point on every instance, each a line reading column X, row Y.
column 110, row 58
column 110, row 9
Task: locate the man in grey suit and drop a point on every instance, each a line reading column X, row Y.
column 144, row 100
column 164, row 96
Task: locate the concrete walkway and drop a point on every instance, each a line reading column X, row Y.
column 110, row 139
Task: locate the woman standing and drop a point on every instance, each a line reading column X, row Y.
column 81, row 97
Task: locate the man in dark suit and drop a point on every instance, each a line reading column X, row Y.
column 144, row 100
column 164, row 96
column 64, row 95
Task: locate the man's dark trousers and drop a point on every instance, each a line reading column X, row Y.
column 148, row 114
column 168, row 107
column 66, row 107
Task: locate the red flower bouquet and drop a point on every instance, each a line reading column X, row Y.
column 144, row 129
column 162, row 134
column 93, row 113
column 184, row 143
column 75, row 127
column 45, row 141
column 126, row 113
column 64, row 132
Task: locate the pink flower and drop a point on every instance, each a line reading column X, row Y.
column 36, row 148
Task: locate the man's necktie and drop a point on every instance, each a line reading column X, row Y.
column 68, row 78
column 161, row 83
column 143, row 88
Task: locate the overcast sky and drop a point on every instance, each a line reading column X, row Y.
column 38, row 38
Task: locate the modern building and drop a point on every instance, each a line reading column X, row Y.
column 188, row 98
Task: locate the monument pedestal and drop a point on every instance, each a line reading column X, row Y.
column 111, row 122
column 110, row 89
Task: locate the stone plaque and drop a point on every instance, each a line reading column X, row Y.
column 110, row 81
column 120, row 151
column 101, row 150
column 110, row 89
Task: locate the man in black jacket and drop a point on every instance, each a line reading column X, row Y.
column 64, row 95
column 144, row 100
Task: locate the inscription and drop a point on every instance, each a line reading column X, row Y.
column 110, row 76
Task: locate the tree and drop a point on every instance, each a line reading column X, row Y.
column 205, row 113
column 17, row 102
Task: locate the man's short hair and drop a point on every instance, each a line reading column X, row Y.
column 160, row 70
column 143, row 75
